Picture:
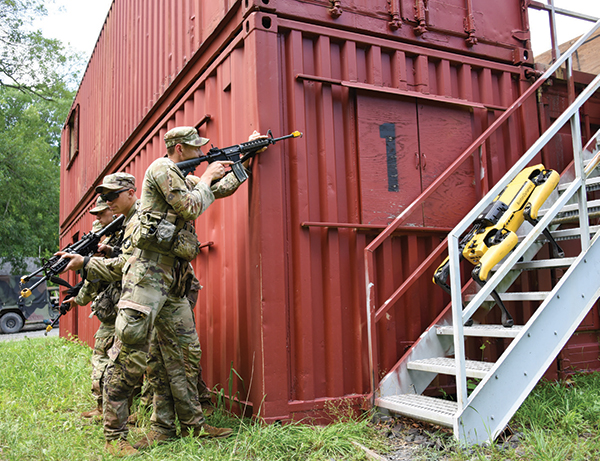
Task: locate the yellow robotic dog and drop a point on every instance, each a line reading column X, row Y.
column 493, row 234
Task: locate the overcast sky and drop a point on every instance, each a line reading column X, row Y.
column 79, row 22
column 568, row 28
column 75, row 22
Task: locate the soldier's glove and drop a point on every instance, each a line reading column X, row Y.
column 64, row 308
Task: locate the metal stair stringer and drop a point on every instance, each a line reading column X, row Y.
column 490, row 407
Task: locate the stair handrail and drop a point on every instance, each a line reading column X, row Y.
column 402, row 217
column 459, row 316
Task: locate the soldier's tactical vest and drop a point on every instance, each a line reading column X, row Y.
column 167, row 234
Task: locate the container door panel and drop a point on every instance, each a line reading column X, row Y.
column 444, row 133
column 388, row 158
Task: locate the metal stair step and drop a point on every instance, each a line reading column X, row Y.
column 544, row 264
column 523, row 296
column 540, row 264
column 447, row 366
column 590, row 184
column 483, row 331
column 430, row 409
column 567, row 234
column 574, row 207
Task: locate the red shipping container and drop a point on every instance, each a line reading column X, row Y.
column 387, row 95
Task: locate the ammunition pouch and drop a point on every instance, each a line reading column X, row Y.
column 104, row 306
column 182, row 283
column 186, row 245
column 156, row 232
column 167, row 234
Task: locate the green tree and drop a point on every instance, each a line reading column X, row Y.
column 30, row 62
column 36, row 78
column 30, row 129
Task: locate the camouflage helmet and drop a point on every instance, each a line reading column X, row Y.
column 184, row 135
column 96, row 226
column 101, row 205
column 115, row 182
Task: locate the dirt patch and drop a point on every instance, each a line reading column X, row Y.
column 411, row 440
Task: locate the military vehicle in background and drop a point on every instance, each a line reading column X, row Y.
column 36, row 310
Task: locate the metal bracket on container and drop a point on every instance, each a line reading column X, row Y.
column 336, row 8
column 521, row 55
column 206, row 245
column 395, row 22
column 469, row 23
column 420, row 12
column 521, row 35
column 204, row 119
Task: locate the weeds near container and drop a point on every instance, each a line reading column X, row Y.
column 233, row 397
column 472, row 384
column 220, row 392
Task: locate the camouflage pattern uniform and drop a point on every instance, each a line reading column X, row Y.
column 204, row 394
column 155, row 286
column 106, row 332
column 105, row 297
column 111, row 269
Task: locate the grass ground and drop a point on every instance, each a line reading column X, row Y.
column 44, row 386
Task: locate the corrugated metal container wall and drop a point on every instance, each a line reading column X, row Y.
column 350, row 94
column 284, row 296
column 474, row 27
column 131, row 79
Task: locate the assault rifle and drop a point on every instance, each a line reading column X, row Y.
column 87, row 246
column 237, row 154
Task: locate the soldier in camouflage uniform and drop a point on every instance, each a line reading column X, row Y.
column 105, row 297
column 157, row 279
column 118, row 190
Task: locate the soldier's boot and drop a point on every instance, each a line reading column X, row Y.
column 150, row 438
column 136, row 416
column 120, row 448
column 95, row 412
column 207, row 408
column 133, row 419
column 206, row 430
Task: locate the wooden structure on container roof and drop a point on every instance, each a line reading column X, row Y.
column 585, row 59
column 388, row 94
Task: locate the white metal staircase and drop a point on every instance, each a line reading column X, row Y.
column 482, row 414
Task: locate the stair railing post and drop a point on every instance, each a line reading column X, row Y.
column 371, row 326
column 553, row 34
column 457, row 322
column 584, row 223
